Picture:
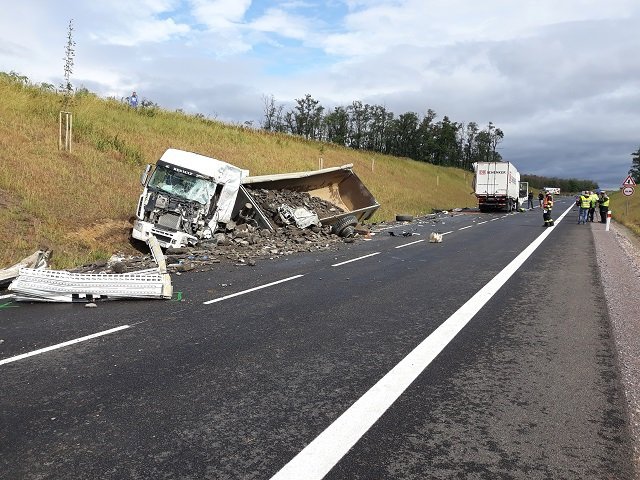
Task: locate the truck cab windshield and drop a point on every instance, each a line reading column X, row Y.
column 181, row 185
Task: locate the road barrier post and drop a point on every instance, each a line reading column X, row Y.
column 608, row 220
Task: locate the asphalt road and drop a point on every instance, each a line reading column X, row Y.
column 464, row 359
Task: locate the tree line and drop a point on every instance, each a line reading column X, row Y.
column 634, row 171
column 373, row 127
column 566, row 185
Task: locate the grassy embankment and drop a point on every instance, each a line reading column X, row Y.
column 631, row 217
column 80, row 204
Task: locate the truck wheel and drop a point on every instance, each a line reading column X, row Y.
column 345, row 227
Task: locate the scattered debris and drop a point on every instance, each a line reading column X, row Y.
column 36, row 260
column 62, row 286
column 435, row 237
column 404, row 218
column 337, row 193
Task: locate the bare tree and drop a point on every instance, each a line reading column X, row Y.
column 69, row 54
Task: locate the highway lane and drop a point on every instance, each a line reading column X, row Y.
column 235, row 389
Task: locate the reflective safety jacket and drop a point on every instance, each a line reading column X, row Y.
column 593, row 200
column 548, row 202
column 604, row 201
column 585, row 201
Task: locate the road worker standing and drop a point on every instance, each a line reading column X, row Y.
column 603, row 201
column 547, row 206
column 585, row 203
column 593, row 201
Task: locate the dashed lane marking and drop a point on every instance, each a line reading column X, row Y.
column 464, row 228
column 355, row 259
column 407, row 244
column 63, row 344
column 260, row 287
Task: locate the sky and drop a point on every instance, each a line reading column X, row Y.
column 561, row 78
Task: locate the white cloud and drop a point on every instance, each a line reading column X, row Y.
column 143, row 31
column 220, row 14
column 282, row 23
column 559, row 77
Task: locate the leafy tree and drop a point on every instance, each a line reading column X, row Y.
column 446, row 143
column 406, row 136
column 307, row 117
column 378, row 127
column 336, row 125
column 469, row 145
column 427, row 137
column 359, row 117
column 634, row 171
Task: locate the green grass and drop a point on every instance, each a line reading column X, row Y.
column 80, row 203
column 626, row 210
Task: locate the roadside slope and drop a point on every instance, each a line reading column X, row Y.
column 79, row 204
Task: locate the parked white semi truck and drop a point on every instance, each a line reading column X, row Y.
column 497, row 186
column 185, row 197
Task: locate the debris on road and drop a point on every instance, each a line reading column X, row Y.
column 36, row 260
column 41, row 285
column 435, row 237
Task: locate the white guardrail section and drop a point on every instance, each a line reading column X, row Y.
column 62, row 286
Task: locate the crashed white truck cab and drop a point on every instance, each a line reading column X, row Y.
column 185, row 197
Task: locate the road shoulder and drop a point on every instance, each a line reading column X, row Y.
column 618, row 257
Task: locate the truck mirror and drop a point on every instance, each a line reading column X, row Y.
column 145, row 175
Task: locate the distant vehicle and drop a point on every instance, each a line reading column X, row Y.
column 497, row 186
column 552, row 190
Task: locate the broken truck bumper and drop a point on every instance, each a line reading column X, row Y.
column 166, row 238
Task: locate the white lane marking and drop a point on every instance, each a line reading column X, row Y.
column 6, row 296
column 464, row 228
column 407, row 244
column 226, row 297
column 321, row 455
column 494, row 219
column 447, row 233
column 355, row 259
column 480, row 223
column 60, row 345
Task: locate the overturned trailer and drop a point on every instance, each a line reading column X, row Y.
column 339, row 186
column 188, row 197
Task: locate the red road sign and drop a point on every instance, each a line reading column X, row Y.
column 629, row 181
column 628, row 191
